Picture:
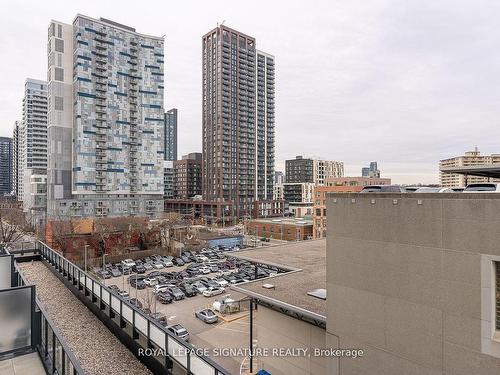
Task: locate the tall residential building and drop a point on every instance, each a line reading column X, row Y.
column 372, row 171
column 471, row 158
column 32, row 149
column 106, row 120
column 187, row 176
column 300, row 170
column 238, row 120
column 168, row 179
column 5, row 165
column 171, row 134
column 15, row 159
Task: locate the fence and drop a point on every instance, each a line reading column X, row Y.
column 140, row 330
column 57, row 358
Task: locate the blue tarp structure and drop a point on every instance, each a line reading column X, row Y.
column 226, row 242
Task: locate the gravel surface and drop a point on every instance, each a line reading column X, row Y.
column 97, row 349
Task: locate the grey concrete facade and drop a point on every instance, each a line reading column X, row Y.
column 410, row 280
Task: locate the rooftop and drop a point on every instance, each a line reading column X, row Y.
column 301, row 221
column 307, row 262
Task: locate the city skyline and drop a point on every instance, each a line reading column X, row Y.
column 429, row 79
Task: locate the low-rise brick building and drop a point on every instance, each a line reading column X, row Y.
column 286, row 229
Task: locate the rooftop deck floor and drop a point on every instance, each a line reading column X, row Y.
column 95, row 347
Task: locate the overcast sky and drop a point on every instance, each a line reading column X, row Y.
column 405, row 83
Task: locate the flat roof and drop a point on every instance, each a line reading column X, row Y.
column 485, row 170
column 283, row 220
column 307, row 262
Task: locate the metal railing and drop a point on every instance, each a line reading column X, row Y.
column 169, row 351
column 57, row 357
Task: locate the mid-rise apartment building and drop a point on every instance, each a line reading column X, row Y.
column 168, row 179
column 300, row 170
column 171, row 134
column 299, row 198
column 357, row 181
column 32, row 149
column 238, row 119
column 106, row 120
column 5, row 165
column 15, row 158
column 469, row 159
column 187, row 176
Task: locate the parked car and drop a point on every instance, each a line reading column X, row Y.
column 138, row 269
column 136, row 302
column 200, row 287
column 151, row 281
column 210, row 292
column 214, row 268
column 164, row 297
column 158, row 265
column 204, row 270
column 185, row 259
column 158, row 316
column 176, row 293
column 148, row 266
column 138, row 284
column 178, row 261
column 179, row 331
column 222, row 282
column 207, row 316
column 114, row 288
column 193, row 271
column 383, row 189
column 123, row 294
column 128, row 263
column 488, row 187
column 104, row 274
column 115, row 272
column 167, row 263
column 161, row 288
column 428, row 189
column 188, row 290
column 213, row 283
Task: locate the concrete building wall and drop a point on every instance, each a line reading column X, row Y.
column 276, row 330
column 409, row 281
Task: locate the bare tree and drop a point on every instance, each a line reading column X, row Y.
column 60, row 234
column 164, row 225
column 13, row 225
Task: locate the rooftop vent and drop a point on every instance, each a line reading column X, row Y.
column 318, row 293
column 268, row 286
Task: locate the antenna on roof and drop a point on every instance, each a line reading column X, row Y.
column 223, row 22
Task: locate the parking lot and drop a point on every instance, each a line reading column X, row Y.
column 231, row 330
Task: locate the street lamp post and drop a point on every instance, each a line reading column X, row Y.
column 85, row 257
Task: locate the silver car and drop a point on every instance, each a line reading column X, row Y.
column 207, row 315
